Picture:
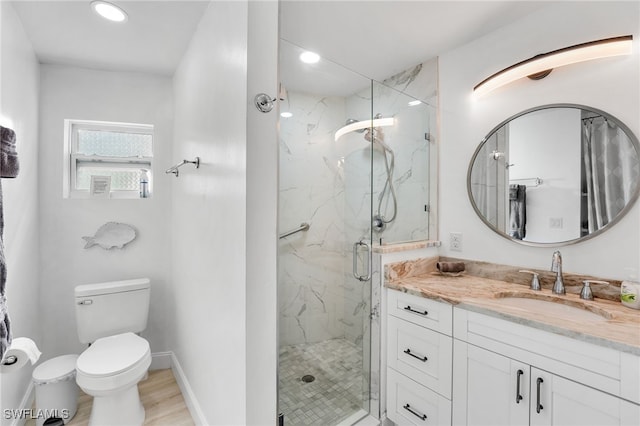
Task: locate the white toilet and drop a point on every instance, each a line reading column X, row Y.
column 107, row 316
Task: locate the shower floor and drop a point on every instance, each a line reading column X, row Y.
column 335, row 394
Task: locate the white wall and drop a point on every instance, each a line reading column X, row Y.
column 262, row 216
column 77, row 93
column 610, row 84
column 209, row 207
column 19, row 111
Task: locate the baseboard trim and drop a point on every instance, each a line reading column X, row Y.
column 160, row 361
column 189, row 397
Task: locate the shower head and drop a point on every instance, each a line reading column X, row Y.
column 376, row 136
column 353, row 120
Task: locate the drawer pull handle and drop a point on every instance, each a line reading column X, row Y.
column 518, row 396
column 408, row 308
column 421, row 358
column 539, row 406
column 408, row 408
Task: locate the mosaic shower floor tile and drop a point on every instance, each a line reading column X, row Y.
column 336, row 391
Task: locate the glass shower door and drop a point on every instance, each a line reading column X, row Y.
column 324, row 289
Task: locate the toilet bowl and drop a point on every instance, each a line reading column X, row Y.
column 109, row 370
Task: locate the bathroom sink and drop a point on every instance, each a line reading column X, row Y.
column 561, row 307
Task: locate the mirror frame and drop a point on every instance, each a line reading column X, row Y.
column 632, row 137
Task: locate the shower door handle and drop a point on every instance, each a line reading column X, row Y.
column 356, row 249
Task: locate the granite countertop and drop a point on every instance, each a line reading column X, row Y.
column 614, row 326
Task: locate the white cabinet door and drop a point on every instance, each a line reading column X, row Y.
column 560, row 402
column 488, row 389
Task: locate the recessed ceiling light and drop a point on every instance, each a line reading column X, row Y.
column 109, row 11
column 286, row 115
column 309, row 57
column 414, row 103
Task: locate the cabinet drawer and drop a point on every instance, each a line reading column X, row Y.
column 427, row 313
column 422, row 354
column 409, row 403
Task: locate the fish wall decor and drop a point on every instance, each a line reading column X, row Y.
column 111, row 235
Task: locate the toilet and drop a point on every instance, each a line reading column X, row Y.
column 107, row 317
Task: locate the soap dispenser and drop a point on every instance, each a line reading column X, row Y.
column 144, row 183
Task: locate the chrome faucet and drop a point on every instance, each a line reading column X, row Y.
column 556, row 266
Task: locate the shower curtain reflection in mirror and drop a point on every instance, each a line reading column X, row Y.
column 489, row 177
column 610, row 171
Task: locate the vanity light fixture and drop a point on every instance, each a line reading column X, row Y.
column 109, row 11
column 359, row 125
column 541, row 65
column 309, row 57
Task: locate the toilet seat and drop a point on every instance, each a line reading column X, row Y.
column 113, row 362
column 112, row 355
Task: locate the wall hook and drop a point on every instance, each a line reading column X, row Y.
column 175, row 168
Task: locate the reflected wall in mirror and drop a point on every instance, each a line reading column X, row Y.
column 555, row 174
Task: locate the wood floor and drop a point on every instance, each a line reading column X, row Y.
column 160, row 395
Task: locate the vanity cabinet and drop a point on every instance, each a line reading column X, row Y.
column 419, row 361
column 491, row 389
column 449, row 365
column 525, row 376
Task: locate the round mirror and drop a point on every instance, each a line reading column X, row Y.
column 555, row 174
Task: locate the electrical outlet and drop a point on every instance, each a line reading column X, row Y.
column 455, row 241
column 555, row 222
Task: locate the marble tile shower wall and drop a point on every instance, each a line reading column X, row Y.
column 311, row 270
column 417, row 160
column 412, row 152
column 326, row 183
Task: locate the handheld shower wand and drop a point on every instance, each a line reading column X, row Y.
column 375, row 135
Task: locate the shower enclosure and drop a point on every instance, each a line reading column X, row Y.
column 341, row 188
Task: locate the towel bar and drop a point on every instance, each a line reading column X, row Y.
column 175, row 168
column 536, row 181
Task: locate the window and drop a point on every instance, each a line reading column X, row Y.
column 121, row 151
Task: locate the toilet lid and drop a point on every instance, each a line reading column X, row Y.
column 112, row 355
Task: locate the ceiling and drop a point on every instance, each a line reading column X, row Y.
column 381, row 38
column 360, row 35
column 153, row 39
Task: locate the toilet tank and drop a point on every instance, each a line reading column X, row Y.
column 110, row 308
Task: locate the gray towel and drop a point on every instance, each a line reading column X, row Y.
column 5, row 327
column 517, row 211
column 9, row 168
column 9, row 165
